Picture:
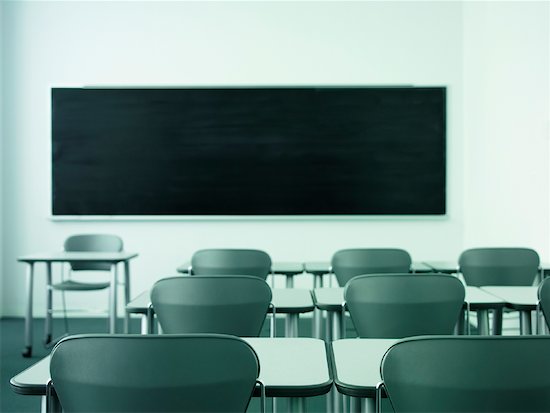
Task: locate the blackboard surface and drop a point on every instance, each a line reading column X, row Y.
column 249, row 151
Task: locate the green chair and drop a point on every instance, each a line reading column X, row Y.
column 88, row 243
column 468, row 374
column 499, row 266
column 167, row 373
column 231, row 261
column 403, row 305
column 222, row 304
column 348, row 263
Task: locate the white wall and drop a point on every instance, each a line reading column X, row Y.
column 507, row 116
column 255, row 43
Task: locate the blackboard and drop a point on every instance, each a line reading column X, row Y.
column 235, row 151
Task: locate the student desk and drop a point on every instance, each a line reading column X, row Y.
column 451, row 267
column 518, row 298
column 356, row 370
column 319, row 268
column 288, row 269
column 289, row 367
column 332, row 301
column 289, row 301
column 113, row 258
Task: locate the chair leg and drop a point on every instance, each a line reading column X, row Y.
column 497, row 321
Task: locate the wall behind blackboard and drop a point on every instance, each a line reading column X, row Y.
column 254, row 151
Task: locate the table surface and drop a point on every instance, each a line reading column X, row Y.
column 452, row 266
column 356, row 364
column 64, row 256
column 289, row 367
column 331, row 299
column 517, row 297
column 278, row 267
column 324, row 267
column 285, row 300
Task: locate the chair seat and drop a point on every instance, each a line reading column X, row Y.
column 71, row 285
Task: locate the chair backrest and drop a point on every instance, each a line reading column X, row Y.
column 166, row 373
column 348, row 263
column 93, row 243
column 211, row 304
column 544, row 299
column 499, row 266
column 468, row 374
column 230, row 262
column 403, row 305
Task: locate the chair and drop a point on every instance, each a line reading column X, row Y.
column 468, row 374
column 211, row 304
column 499, row 266
column 403, row 305
column 167, row 373
column 348, row 263
column 84, row 242
column 231, row 261
column 91, row 243
column 502, row 267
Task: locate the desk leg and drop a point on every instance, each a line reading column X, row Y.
column 126, row 295
column 328, row 326
column 355, row 405
column 317, row 314
column 27, row 351
column 337, row 323
column 297, row 404
column 368, row 405
column 525, row 322
column 145, row 324
column 291, row 325
column 113, row 300
column 289, row 280
column 49, row 307
column 337, row 399
column 483, row 322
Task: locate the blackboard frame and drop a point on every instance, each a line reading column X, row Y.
column 56, row 214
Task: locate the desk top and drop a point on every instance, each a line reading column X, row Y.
column 281, row 267
column 451, row 267
column 66, row 256
column 285, row 300
column 324, row 267
column 356, row 364
column 447, row 267
column 331, row 299
column 289, row 367
column 516, row 297
column 293, row 367
column 33, row 380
